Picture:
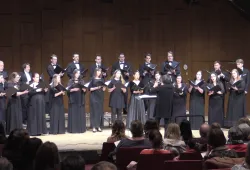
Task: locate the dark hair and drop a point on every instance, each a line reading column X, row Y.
column 13, row 76
column 186, row 131
column 215, row 125
column 148, row 54
column 5, row 164
column 235, row 134
column 166, row 79
column 47, row 157
column 16, row 139
column 25, row 65
column 32, row 147
column 95, row 72
column 151, row 124
column 155, row 138
column 52, row 56
column 216, row 138
column 217, row 62
column 34, row 74
column 103, row 165
column 204, row 129
column 136, row 128
column 244, row 120
column 247, row 159
column 216, row 77
column 73, row 162
column 118, row 129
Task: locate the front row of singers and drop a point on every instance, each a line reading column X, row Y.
column 169, row 104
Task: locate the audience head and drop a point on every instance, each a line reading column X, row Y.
column 166, row 79
column 5, row 164
column 73, row 162
column 186, row 131
column 47, row 157
column 32, row 147
column 104, row 166
column 204, row 129
column 136, row 128
column 235, row 135
column 244, row 120
column 173, row 131
column 151, row 124
column 155, row 138
column 118, row 129
column 216, row 138
column 17, row 139
column 215, row 125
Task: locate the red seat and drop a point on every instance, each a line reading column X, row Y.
column 106, row 149
column 153, row 161
column 190, row 156
column 183, row 165
column 125, row 155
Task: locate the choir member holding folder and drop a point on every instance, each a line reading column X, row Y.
column 57, row 118
column 215, row 93
column 197, row 100
column 74, row 65
column 236, row 101
column 54, row 68
column 14, row 107
column 36, row 123
column 3, row 86
column 136, row 110
column 97, row 88
column 76, row 93
column 117, row 91
column 98, row 64
column 179, row 100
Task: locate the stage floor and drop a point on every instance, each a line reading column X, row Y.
column 88, row 141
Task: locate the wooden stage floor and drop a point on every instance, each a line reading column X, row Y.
column 89, row 141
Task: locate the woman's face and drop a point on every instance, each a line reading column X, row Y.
column 98, row 73
column 36, row 78
column 157, row 76
column 77, row 74
column 198, row 75
column 213, row 77
column 234, row 74
column 16, row 79
column 58, row 79
column 137, row 76
column 178, row 79
column 118, row 74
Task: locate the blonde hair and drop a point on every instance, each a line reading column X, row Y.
column 238, row 76
column 54, row 80
column 173, row 131
column 121, row 78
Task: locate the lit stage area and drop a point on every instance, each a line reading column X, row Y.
column 89, row 144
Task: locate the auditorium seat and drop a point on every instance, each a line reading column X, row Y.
column 125, row 155
column 183, row 165
column 190, row 156
column 106, row 149
column 153, row 161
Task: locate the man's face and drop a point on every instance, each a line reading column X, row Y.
column 1, row 66
column 121, row 58
column 54, row 60
column 98, row 60
column 148, row 59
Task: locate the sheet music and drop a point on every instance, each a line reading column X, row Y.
column 107, row 82
column 126, row 84
column 146, row 96
column 87, row 84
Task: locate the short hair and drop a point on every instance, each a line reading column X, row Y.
column 16, row 139
column 244, row 120
column 204, row 129
column 52, row 56
column 25, row 65
column 151, row 124
column 217, row 62
column 170, row 52
column 148, row 54
column 98, row 56
column 103, row 165
column 73, row 162
column 74, row 55
column 5, row 164
column 215, row 125
column 121, row 54
column 216, row 138
column 166, row 79
column 235, row 133
column 239, row 61
column 136, row 128
column 173, row 131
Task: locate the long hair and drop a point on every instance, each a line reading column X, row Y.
column 238, row 76
column 186, row 131
column 118, row 130
column 216, row 78
column 121, row 78
column 95, row 72
column 173, row 131
column 12, row 77
column 54, row 80
column 197, row 73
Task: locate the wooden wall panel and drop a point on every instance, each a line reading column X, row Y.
column 32, row 30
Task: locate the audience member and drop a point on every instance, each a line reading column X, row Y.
column 186, row 132
column 173, row 140
column 14, row 149
column 246, row 164
column 244, row 125
column 215, row 125
column 73, row 162
column 202, row 141
column 31, row 147
column 244, row 120
column 151, row 124
column 104, row 166
column 5, row 164
column 217, row 145
column 235, row 139
column 118, row 132
column 47, row 157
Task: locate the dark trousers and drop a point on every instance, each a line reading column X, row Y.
column 166, row 121
column 114, row 112
column 24, row 102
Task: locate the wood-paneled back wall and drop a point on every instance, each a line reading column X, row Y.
column 32, row 30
